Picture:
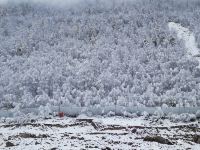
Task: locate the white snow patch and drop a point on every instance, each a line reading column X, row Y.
column 121, row 121
column 188, row 37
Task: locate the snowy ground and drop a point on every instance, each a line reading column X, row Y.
column 98, row 133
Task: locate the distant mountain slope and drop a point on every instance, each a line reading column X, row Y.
column 95, row 53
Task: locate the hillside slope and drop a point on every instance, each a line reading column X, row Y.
column 98, row 54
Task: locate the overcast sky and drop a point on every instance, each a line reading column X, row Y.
column 56, row 2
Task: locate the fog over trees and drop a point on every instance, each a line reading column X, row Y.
column 97, row 53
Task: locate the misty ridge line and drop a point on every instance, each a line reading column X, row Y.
column 62, row 2
column 48, row 2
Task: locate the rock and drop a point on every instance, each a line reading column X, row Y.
column 9, row 144
column 73, row 137
column 158, row 139
column 107, row 148
column 29, row 135
column 33, row 120
column 196, row 139
column 43, row 136
column 134, row 131
column 81, row 138
column 36, row 143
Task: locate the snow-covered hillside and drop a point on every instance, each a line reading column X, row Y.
column 99, row 53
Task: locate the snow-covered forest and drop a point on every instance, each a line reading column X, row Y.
column 98, row 53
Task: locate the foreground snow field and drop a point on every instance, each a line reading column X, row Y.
column 98, row 133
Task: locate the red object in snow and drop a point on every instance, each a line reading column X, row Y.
column 61, row 114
